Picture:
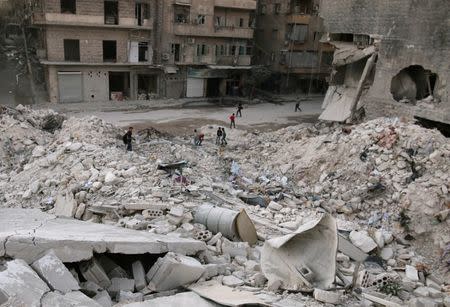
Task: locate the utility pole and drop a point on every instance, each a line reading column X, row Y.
column 291, row 46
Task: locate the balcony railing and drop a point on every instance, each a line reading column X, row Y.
column 190, row 29
column 236, row 4
column 88, row 21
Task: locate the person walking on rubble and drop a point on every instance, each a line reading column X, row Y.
column 128, row 138
column 239, row 110
column 233, row 121
column 297, row 106
column 223, row 141
column 219, row 136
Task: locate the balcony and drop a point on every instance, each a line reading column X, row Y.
column 87, row 21
column 186, row 29
column 236, row 4
column 234, row 32
column 298, row 19
column 241, row 60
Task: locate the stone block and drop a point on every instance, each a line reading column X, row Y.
column 55, row 273
column 422, row 302
column 21, row 284
column 326, row 296
column 93, row 271
column 362, row 240
column 411, row 273
column 111, row 268
column 55, row 299
column 120, row 284
column 172, row 271
column 139, row 275
column 65, row 205
column 130, row 297
column 103, row 299
column 232, row 281
column 90, row 288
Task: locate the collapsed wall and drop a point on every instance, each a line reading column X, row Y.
column 412, row 42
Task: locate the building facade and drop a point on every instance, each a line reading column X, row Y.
column 391, row 58
column 287, row 40
column 205, row 45
column 97, row 50
column 134, row 49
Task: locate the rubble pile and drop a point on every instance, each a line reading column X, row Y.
column 312, row 214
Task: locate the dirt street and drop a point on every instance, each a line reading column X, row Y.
column 180, row 121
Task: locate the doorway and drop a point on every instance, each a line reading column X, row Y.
column 147, row 86
column 119, row 85
column 213, row 87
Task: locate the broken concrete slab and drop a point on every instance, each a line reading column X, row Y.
column 21, row 284
column 224, row 295
column 363, row 241
column 27, row 234
column 327, row 296
column 139, row 275
column 347, row 248
column 103, row 299
column 51, row 269
column 305, row 258
column 173, row 270
column 129, row 297
column 177, row 300
column 93, row 271
column 65, row 205
column 120, row 284
column 75, row 299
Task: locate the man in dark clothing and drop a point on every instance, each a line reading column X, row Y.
column 239, row 110
column 232, row 121
column 224, row 137
column 219, row 136
column 129, row 138
column 297, row 106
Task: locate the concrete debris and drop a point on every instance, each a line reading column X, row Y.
column 30, row 233
column 172, row 271
column 327, row 296
column 55, row 299
column 21, row 284
column 362, row 240
column 69, row 187
column 55, row 273
column 226, row 296
column 177, row 300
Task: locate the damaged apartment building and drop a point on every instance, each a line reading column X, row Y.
column 287, row 39
column 391, row 59
column 206, row 46
column 97, row 50
column 139, row 49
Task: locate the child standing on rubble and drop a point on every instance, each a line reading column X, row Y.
column 219, row 136
column 223, row 141
column 232, row 121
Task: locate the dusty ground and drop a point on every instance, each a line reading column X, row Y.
column 183, row 120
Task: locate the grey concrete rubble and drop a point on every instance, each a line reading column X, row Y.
column 51, row 269
column 311, row 208
column 33, row 232
column 21, row 284
column 172, row 271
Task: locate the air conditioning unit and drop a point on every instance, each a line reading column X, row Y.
column 165, row 56
column 191, row 40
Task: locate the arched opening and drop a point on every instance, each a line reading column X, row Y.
column 413, row 83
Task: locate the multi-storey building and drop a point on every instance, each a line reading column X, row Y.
column 288, row 41
column 206, row 45
column 97, row 50
column 391, row 58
